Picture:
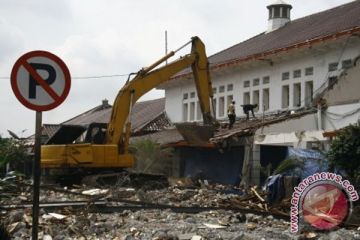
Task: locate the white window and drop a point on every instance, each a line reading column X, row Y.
column 285, row 96
column 266, row 99
column 309, row 91
column 266, row 80
column 192, row 94
column 215, row 107
column 229, row 99
column 246, row 98
column 285, row 76
column 256, row 99
column 309, row 71
column 198, row 111
column 256, row 82
column 346, row 64
column 297, row 73
column 230, row 87
column 221, row 89
column 297, row 95
column 246, row 84
column 221, row 106
column 333, row 66
column 192, row 111
column 185, row 112
column 185, row 96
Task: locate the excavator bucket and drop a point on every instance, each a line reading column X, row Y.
column 195, row 134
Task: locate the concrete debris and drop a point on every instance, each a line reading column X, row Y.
column 310, row 235
column 54, row 215
column 197, row 237
column 47, row 237
column 158, row 224
column 251, row 226
column 214, row 226
column 95, row 191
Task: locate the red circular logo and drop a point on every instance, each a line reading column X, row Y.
column 325, row 206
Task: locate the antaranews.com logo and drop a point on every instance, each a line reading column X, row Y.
column 324, row 200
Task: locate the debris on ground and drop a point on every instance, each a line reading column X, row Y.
column 225, row 212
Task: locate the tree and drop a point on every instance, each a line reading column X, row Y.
column 344, row 151
column 150, row 156
column 13, row 151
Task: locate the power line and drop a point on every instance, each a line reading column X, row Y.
column 90, row 77
column 102, row 76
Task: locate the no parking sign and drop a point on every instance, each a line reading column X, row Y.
column 40, row 80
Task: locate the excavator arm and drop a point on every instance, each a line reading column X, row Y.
column 113, row 151
column 118, row 131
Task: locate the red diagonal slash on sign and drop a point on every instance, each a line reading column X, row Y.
column 40, row 81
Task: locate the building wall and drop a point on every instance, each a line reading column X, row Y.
column 346, row 89
column 343, row 100
column 340, row 116
column 307, row 122
column 318, row 60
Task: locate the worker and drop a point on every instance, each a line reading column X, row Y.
column 247, row 108
column 231, row 114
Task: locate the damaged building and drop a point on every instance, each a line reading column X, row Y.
column 303, row 75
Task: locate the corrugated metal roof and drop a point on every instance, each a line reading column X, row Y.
column 162, row 137
column 145, row 112
column 49, row 129
column 142, row 114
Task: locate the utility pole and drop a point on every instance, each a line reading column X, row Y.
column 166, row 45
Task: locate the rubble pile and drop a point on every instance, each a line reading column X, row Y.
column 154, row 224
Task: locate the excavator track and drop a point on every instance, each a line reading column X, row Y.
column 101, row 178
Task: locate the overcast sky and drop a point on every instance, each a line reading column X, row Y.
column 98, row 37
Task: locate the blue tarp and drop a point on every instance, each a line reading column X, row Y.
column 313, row 161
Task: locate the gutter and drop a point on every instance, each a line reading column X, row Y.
column 260, row 56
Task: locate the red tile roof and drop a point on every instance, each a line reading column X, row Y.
column 321, row 24
column 344, row 19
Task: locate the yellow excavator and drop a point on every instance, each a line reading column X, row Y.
column 106, row 146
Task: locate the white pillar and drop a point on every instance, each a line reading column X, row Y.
column 256, row 165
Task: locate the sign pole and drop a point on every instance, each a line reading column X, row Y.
column 36, row 176
column 39, row 93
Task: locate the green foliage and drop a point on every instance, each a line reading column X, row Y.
column 344, row 151
column 288, row 164
column 12, row 150
column 150, row 154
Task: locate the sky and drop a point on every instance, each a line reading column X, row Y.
column 117, row 37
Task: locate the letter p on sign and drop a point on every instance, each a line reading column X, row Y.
column 40, row 80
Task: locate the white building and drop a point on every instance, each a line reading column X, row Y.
column 280, row 69
column 291, row 66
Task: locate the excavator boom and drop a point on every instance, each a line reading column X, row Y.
column 147, row 79
column 112, row 151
